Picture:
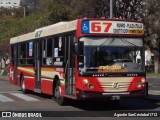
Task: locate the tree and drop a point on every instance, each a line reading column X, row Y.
column 91, row 8
column 16, row 12
column 151, row 17
column 127, row 9
column 60, row 12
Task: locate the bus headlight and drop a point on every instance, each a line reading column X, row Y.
column 85, row 81
column 139, row 85
column 143, row 80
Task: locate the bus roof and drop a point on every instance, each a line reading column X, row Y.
column 54, row 29
column 119, row 27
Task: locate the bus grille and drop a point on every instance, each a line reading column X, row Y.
column 120, row 85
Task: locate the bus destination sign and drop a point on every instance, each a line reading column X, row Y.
column 112, row 27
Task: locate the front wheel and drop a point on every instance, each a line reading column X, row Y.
column 57, row 94
column 146, row 89
column 23, row 88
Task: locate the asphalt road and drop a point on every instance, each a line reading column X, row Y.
column 11, row 99
column 154, row 83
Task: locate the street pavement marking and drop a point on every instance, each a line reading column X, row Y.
column 24, row 97
column 11, row 92
column 5, row 99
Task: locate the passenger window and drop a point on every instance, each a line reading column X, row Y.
column 22, row 53
column 25, row 53
column 30, row 53
column 47, row 51
column 58, row 51
column 12, row 55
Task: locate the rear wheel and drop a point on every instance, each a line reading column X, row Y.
column 23, row 88
column 57, row 94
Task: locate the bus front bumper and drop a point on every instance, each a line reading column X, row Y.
column 82, row 95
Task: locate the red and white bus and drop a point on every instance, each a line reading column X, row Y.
column 81, row 59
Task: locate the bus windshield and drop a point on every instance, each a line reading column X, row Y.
column 111, row 55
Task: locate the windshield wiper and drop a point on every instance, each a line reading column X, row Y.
column 127, row 42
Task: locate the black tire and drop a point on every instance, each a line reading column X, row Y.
column 23, row 89
column 57, row 94
column 146, row 89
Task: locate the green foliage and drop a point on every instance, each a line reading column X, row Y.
column 153, row 74
column 48, row 12
column 60, row 12
column 12, row 26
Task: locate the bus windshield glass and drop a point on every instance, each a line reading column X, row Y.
column 104, row 54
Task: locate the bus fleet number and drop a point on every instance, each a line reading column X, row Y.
column 100, row 27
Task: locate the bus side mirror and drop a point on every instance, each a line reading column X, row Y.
column 78, row 47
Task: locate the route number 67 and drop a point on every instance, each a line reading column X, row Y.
column 100, row 27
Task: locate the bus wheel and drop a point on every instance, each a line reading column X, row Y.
column 146, row 89
column 23, row 89
column 57, row 94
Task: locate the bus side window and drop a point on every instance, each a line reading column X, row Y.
column 12, row 55
column 22, row 53
column 30, row 53
column 47, row 51
column 58, row 51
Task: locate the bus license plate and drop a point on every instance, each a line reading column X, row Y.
column 116, row 97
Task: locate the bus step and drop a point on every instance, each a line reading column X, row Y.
column 37, row 90
column 70, row 96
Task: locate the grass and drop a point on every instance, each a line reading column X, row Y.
column 149, row 74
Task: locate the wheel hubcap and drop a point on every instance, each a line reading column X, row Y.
column 58, row 92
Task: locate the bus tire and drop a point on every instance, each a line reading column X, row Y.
column 146, row 89
column 23, row 89
column 57, row 94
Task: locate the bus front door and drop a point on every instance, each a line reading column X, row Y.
column 69, row 67
column 37, row 67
